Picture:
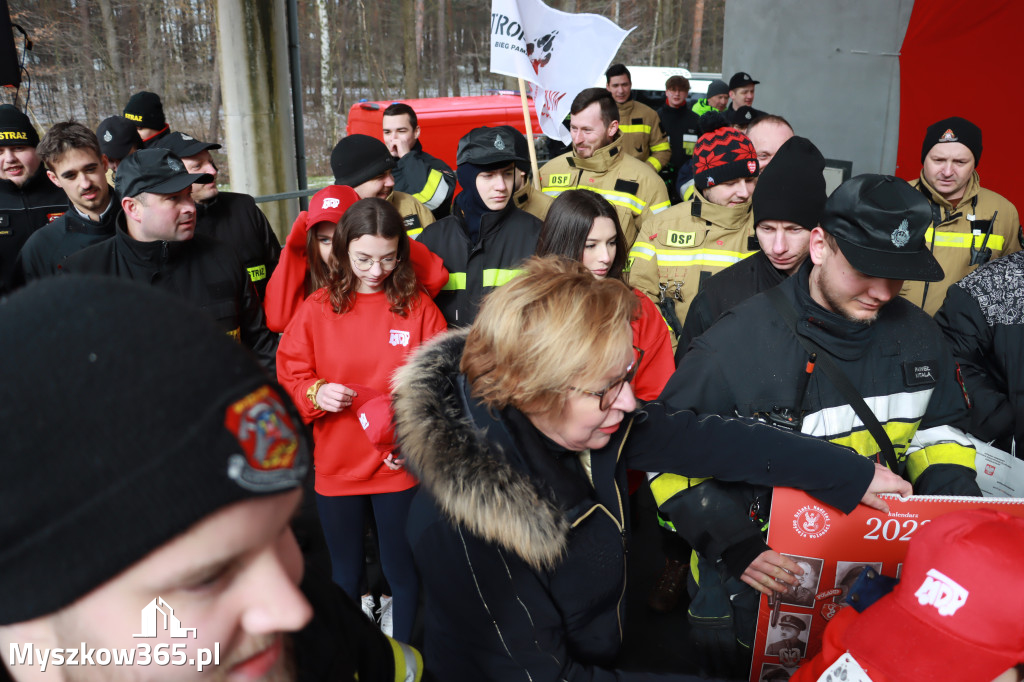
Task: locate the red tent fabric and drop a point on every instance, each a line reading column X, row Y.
column 959, row 58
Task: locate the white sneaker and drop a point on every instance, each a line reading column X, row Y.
column 387, row 625
column 369, row 607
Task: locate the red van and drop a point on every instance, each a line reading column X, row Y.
column 443, row 120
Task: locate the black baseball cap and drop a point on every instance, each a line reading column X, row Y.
column 486, row 147
column 741, row 79
column 159, row 171
column 183, row 145
column 117, row 136
column 879, row 223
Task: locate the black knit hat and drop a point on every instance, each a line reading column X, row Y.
column 953, row 129
column 358, row 158
column 722, row 153
column 117, row 136
column 879, row 223
column 792, row 187
column 718, row 87
column 145, row 110
column 163, row 420
column 15, row 128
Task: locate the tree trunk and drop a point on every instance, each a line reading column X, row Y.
column 113, row 53
column 420, row 14
column 155, row 64
column 441, row 43
column 326, row 82
column 86, row 70
column 410, row 56
column 698, row 29
column 654, row 32
column 215, row 94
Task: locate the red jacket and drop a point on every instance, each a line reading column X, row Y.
column 650, row 333
column 362, row 346
column 832, row 648
column 287, row 285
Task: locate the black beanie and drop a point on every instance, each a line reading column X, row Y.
column 15, row 128
column 953, row 129
column 128, row 417
column 358, row 158
column 722, row 153
column 145, row 110
column 792, row 186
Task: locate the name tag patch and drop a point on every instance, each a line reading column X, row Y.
column 919, row 373
column 257, row 272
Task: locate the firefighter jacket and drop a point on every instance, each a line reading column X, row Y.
column 428, row 179
column 23, row 210
column 959, row 237
column 525, row 543
column 642, row 134
column 415, row 216
column 750, row 364
column 983, row 319
column 683, row 128
column 724, row 291
column 202, row 270
column 630, row 185
column 506, row 239
column 51, row 245
column 235, row 219
column 682, row 247
column 531, row 200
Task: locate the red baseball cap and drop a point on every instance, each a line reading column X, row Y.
column 329, row 204
column 373, row 409
column 956, row 612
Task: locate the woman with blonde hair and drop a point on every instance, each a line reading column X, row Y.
column 520, row 430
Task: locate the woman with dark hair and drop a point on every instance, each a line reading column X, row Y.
column 581, row 225
column 304, row 265
column 347, row 339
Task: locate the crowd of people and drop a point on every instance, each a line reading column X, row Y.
column 472, row 385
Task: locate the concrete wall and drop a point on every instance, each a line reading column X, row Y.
column 830, row 67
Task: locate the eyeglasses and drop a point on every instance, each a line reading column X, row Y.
column 363, row 263
column 609, row 394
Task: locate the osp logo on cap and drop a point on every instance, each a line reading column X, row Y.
column 331, row 202
column 901, row 235
column 273, row 457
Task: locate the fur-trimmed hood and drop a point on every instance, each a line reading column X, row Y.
column 468, row 475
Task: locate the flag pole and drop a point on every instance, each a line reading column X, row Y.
column 529, row 134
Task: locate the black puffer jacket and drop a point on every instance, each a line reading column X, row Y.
column 983, row 319
column 236, row 220
column 23, row 210
column 521, row 545
column 50, row 246
column 201, row 270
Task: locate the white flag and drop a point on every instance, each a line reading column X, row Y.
column 559, row 53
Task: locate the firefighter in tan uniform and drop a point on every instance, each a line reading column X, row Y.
column 680, row 248
column 642, row 134
column 599, row 164
column 970, row 224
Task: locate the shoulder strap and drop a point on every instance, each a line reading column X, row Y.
column 838, row 379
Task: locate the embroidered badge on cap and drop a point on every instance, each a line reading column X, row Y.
column 174, row 165
column 107, row 137
column 942, row 592
column 948, row 136
column 752, row 166
column 187, row 137
column 272, row 457
column 331, row 202
column 498, row 143
column 901, row 235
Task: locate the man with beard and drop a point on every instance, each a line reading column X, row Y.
column 832, row 352
column 74, row 163
column 168, row 489
column 28, row 200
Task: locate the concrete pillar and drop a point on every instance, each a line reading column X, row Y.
column 252, row 40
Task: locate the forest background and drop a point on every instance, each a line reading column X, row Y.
column 89, row 56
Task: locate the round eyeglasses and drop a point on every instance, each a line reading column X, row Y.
column 610, row 393
column 363, row 263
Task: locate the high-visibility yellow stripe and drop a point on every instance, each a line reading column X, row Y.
column 644, row 251
column 635, row 128
column 456, row 281
column 408, row 662
column 497, row 277
column 864, row 443
column 658, row 208
column 630, row 201
column 414, row 232
column 940, row 453
column 905, row 407
column 665, row 486
column 434, row 192
column 661, row 147
column 655, row 164
column 962, row 240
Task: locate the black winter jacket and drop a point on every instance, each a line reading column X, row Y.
column 507, row 238
column 983, row 319
column 46, row 251
column 683, row 129
column 201, row 270
column 521, row 545
column 427, row 179
column 23, row 210
column 236, row 220
column 724, row 290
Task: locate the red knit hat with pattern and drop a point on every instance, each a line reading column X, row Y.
column 722, row 153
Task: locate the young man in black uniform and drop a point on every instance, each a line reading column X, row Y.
column 74, row 163
column 166, row 487
column 682, row 127
column 155, row 242
column 118, row 139
column 428, row 179
column 231, row 217
column 28, row 200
